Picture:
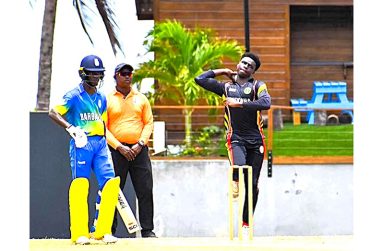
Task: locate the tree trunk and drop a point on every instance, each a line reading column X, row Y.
column 46, row 49
column 188, row 126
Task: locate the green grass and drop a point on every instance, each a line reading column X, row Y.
column 311, row 140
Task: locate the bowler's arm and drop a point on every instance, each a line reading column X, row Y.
column 262, row 103
column 206, row 80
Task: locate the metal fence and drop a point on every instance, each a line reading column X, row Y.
column 289, row 136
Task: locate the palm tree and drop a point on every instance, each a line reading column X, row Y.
column 84, row 10
column 181, row 55
column 46, row 49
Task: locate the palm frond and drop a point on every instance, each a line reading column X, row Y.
column 109, row 19
column 105, row 10
column 80, row 7
column 32, row 3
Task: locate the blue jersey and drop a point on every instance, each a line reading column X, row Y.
column 84, row 110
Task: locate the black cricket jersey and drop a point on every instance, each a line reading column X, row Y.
column 242, row 123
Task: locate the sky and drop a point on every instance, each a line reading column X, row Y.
column 20, row 28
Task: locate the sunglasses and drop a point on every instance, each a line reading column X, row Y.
column 125, row 73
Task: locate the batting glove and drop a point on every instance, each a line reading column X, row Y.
column 79, row 136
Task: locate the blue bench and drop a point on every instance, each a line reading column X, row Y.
column 299, row 103
column 323, row 98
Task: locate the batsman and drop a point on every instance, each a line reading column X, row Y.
column 82, row 113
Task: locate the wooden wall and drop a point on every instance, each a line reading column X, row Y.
column 269, row 22
column 321, row 49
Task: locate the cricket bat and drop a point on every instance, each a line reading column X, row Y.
column 126, row 214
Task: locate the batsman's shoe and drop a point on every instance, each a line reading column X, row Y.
column 108, row 239
column 82, row 240
column 235, row 189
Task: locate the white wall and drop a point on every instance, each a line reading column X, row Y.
column 190, row 199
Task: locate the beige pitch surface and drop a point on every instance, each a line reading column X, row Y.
column 285, row 243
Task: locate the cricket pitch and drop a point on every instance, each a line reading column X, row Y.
column 270, row 243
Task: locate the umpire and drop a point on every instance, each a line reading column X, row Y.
column 130, row 124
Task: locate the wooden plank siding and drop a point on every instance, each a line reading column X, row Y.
column 269, row 22
column 319, row 47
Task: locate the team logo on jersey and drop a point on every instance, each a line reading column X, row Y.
column 99, row 104
column 261, row 149
column 232, row 90
column 247, row 90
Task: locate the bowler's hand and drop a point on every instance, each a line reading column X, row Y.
column 230, row 74
column 233, row 102
column 226, row 72
column 127, row 152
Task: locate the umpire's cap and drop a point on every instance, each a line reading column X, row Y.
column 123, row 65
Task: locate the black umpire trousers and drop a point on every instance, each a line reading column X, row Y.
column 140, row 170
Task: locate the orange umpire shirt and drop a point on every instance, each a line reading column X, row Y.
column 130, row 119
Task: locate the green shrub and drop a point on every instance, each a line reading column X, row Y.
column 209, row 141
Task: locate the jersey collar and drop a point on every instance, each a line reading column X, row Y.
column 82, row 89
column 131, row 93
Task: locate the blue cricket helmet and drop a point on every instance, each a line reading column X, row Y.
column 90, row 63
